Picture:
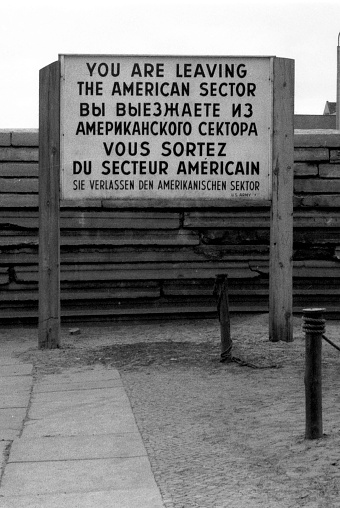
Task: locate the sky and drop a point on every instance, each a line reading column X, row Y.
column 33, row 33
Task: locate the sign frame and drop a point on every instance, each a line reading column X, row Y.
column 281, row 203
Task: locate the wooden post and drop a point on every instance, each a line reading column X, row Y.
column 221, row 291
column 49, row 171
column 281, row 223
column 314, row 329
column 337, row 118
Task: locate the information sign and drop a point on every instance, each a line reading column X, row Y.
column 167, row 128
column 157, row 132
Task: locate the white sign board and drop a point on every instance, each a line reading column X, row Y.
column 169, row 128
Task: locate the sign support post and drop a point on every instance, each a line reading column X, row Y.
column 281, row 215
column 49, row 184
column 337, row 118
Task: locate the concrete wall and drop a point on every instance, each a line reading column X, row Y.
column 144, row 263
column 314, row 121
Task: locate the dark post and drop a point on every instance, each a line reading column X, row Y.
column 221, row 291
column 281, row 215
column 49, row 176
column 337, row 118
column 314, row 327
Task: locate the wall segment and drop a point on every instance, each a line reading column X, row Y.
column 145, row 262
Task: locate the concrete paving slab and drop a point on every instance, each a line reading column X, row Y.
column 86, row 375
column 11, row 383
column 11, row 420
column 136, row 498
column 23, row 369
column 14, row 399
column 8, row 434
column 77, row 447
column 77, row 476
column 70, row 386
column 80, row 397
column 81, row 411
column 74, row 423
column 8, row 360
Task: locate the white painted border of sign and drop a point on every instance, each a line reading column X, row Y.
column 281, row 224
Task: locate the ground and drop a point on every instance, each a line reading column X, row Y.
column 218, row 435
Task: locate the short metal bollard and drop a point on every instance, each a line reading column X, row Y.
column 314, row 328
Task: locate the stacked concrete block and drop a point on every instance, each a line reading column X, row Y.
column 144, row 263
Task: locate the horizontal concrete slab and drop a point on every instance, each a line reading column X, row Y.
column 77, row 447
column 70, row 386
column 18, row 383
column 97, row 373
column 8, row 435
column 11, row 421
column 23, row 369
column 81, row 397
column 14, row 399
column 12, row 418
column 99, row 419
column 8, row 360
column 80, row 411
column 136, row 498
column 80, row 408
column 76, row 476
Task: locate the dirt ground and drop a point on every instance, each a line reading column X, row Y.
column 218, row 435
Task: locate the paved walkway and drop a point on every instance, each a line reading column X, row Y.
column 216, row 435
column 70, row 440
